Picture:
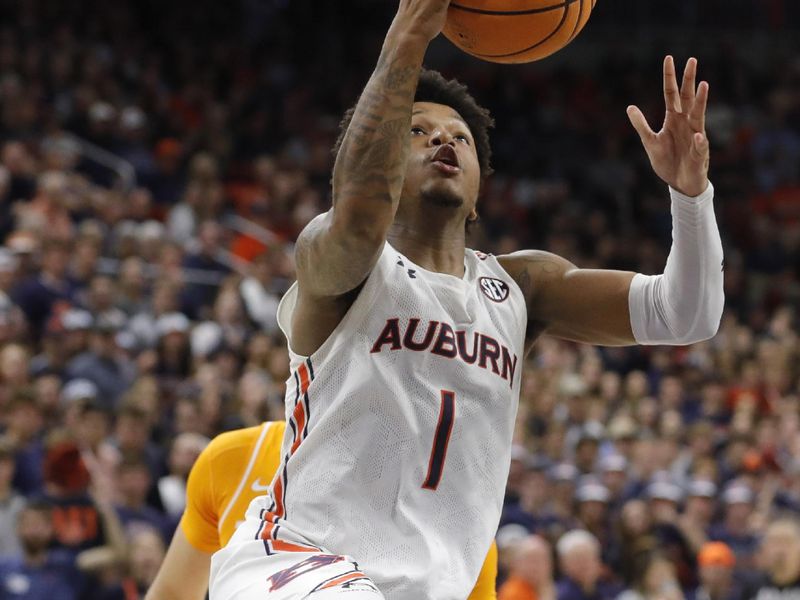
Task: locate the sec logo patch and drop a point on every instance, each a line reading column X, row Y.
column 494, row 289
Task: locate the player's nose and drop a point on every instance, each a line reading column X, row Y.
column 441, row 136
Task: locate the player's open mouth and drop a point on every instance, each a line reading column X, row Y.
column 446, row 160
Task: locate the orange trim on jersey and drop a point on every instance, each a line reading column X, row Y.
column 299, row 417
column 282, row 546
column 299, row 422
column 269, row 532
column 278, row 488
column 304, row 378
column 344, row 579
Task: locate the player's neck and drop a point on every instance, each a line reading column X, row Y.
column 435, row 249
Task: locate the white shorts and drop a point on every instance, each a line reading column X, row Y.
column 252, row 568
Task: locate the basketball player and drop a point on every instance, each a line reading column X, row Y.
column 406, row 348
column 232, row 470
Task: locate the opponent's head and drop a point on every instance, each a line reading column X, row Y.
column 450, row 153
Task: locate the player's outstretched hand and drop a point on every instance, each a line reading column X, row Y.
column 421, row 17
column 679, row 152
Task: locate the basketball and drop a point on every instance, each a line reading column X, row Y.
column 515, row 31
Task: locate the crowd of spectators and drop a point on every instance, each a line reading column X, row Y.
column 157, row 160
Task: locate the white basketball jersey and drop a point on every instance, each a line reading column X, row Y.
column 400, row 425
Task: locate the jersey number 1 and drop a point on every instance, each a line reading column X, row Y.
column 441, row 438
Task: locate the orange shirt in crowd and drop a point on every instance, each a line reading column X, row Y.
column 516, row 589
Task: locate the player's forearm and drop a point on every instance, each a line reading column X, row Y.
column 370, row 164
column 684, row 304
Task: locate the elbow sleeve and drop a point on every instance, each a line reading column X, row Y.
column 684, row 304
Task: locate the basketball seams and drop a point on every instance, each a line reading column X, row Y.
column 564, row 5
column 511, row 13
column 478, row 27
column 577, row 28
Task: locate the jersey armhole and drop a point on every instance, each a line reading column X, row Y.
column 361, row 304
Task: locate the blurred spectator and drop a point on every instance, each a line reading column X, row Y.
column 81, row 519
column 208, row 257
column 579, row 559
column 591, row 509
column 531, row 571
column 132, row 434
column 186, row 447
column 37, row 572
column 133, row 482
column 779, row 576
column 146, row 555
column 735, row 529
column 24, row 422
column 173, row 353
column 164, row 300
column 614, row 476
column 11, row 502
column 132, row 287
column 259, row 294
column 698, row 512
column 102, row 363
column 39, row 295
column 653, row 579
column 716, row 564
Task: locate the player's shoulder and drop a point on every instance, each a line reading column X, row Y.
column 531, row 268
column 525, row 258
column 242, row 440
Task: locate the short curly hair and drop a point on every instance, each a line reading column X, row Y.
column 433, row 87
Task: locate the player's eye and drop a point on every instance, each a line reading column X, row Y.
column 462, row 138
column 417, row 131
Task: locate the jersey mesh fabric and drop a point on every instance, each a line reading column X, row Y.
column 354, row 484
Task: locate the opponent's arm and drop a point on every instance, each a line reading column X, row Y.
column 338, row 249
column 184, row 573
column 681, row 306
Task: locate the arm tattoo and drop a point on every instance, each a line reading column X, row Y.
column 371, row 161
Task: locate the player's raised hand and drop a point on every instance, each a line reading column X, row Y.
column 679, row 152
column 422, row 17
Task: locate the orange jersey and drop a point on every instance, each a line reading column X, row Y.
column 238, row 466
column 233, row 469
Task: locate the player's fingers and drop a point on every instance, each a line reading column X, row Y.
column 700, row 146
column 687, row 85
column 697, row 116
column 672, row 98
column 640, row 124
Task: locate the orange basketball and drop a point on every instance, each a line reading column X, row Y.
column 515, row 31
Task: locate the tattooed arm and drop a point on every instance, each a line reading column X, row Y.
column 337, row 250
column 584, row 305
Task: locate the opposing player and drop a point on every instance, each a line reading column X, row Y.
column 232, row 470
column 406, row 347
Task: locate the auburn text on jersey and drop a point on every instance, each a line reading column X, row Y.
column 442, row 339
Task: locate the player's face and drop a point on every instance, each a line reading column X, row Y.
column 443, row 167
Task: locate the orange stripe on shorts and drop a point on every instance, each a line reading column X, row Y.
column 344, row 579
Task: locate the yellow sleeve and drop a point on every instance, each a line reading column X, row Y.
column 485, row 588
column 199, row 520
